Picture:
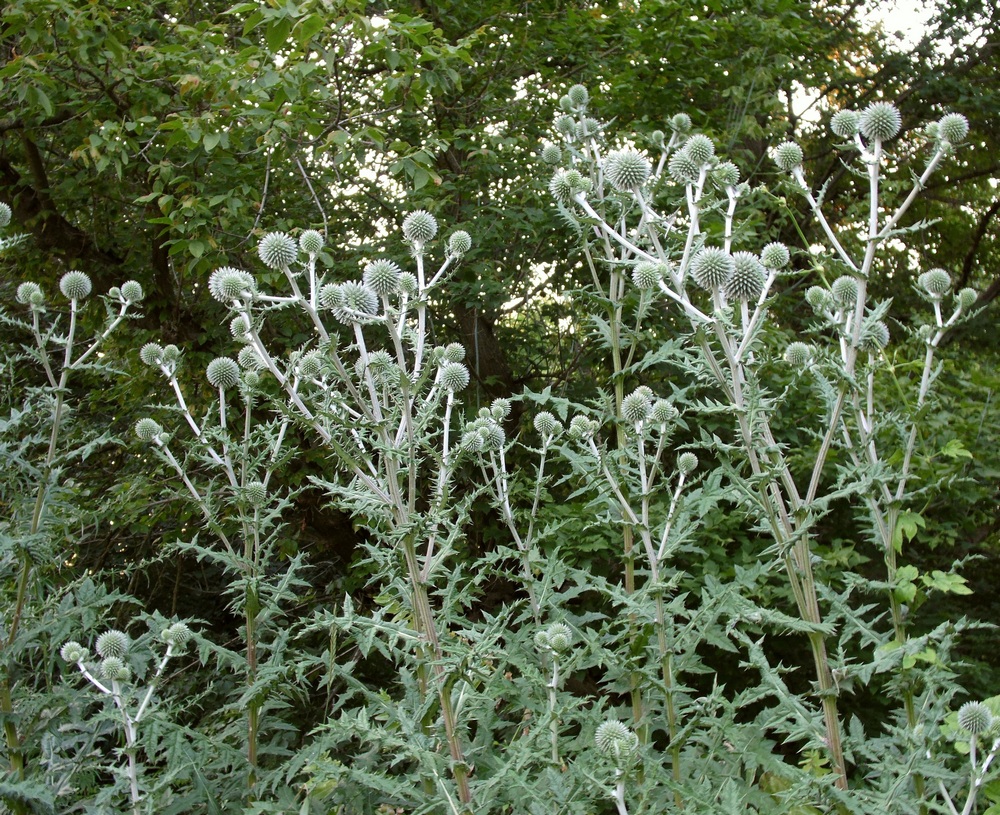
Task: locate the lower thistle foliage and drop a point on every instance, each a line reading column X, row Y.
column 714, row 656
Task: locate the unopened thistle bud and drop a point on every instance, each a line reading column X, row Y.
column 311, row 242
column 682, row 169
column 255, row 494
column 775, row 255
column 974, row 718
column 382, row 277
column 276, row 250
column 227, row 284
column 453, row 352
column 845, row 290
column 354, row 303
column 222, row 372
column 798, row 354
column 874, row 336
column 545, row 423
column 566, row 125
column 725, row 174
column 419, row 227
column 845, row 123
column 967, row 298
column 310, row 365
column 788, row 156
column 711, row 267
column 560, row 637
column 617, row 741
column 663, row 412
column 681, row 123
column 687, row 463
column 647, row 275
column 114, row 669
column 26, row 291
column 177, row 635
column 454, row 376
column 239, row 327
column 551, row 154
column 113, row 643
column 249, row 359
column 819, row 298
column 408, row 283
column 151, row 354
column 565, row 184
column 636, row 408
column 700, row 149
column 459, row 243
column 75, row 285
column 171, row 355
column 5, row 214
column 748, row 277
column 131, row 291
column 953, row 128
column 626, row 170
column 936, row 282
column 148, row 429
column 73, row 652
column 578, row 96
column 500, row 409
column 588, row 129
column 656, row 138
column 581, row 428
column 880, row 121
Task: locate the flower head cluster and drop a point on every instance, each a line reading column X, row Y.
column 483, row 434
column 557, row 638
column 227, row 284
column 547, row 425
column 618, row 742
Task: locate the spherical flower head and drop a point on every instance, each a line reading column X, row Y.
column 222, row 372
column 680, row 123
column 819, row 298
column 567, row 183
column 453, row 352
column 936, row 282
column 354, row 303
column 541, row 640
column 560, row 637
column 682, row 169
column 657, row 138
column 880, row 121
column 578, row 96
column 419, row 227
column 700, row 149
column 113, row 643
column 566, row 125
column 148, row 429
column 382, row 277
column 171, row 355
column 546, row 424
column 329, row 295
column 177, row 635
column 845, row 123
column 647, row 275
column 26, row 291
column 408, row 283
column 472, row 439
column 72, row 652
column 581, row 428
column 711, row 267
column 500, row 409
column 277, row 250
column 725, row 174
column 617, row 741
column 967, row 298
column 588, row 129
column 788, row 156
column 75, row 285
column 114, row 669
column 240, row 327
column 748, row 277
column 687, row 463
column 151, row 354
column 636, row 408
column 131, row 291
column 974, row 718
column 255, row 494
column 492, row 434
column 310, row 365
column 775, row 255
column 454, row 376
column 5, row 214
column 845, row 290
column 459, row 243
column 875, row 336
column 663, row 412
column 953, row 128
column 798, row 354
column 249, row 359
column 311, row 242
column 551, row 154
column 227, row 284
column 626, row 170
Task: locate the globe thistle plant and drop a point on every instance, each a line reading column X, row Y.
column 880, row 121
